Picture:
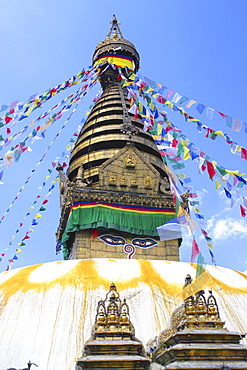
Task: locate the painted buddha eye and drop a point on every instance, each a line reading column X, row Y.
column 112, row 240
column 144, row 243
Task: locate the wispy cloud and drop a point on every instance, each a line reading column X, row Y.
column 227, row 227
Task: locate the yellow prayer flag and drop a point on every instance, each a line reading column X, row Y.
column 68, row 147
column 219, row 133
column 159, row 129
column 234, row 173
column 186, row 153
column 217, row 184
column 193, row 120
column 18, row 250
column 210, row 245
column 32, row 207
column 47, row 177
column 169, row 104
column 132, row 77
column 38, row 215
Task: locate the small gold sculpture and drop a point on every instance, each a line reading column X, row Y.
column 147, row 182
column 130, row 161
column 112, row 180
column 123, row 181
column 134, row 183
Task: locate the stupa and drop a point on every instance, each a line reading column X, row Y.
column 113, row 196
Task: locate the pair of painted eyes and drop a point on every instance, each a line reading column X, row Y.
column 138, row 242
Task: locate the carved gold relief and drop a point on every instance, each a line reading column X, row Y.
column 134, row 182
column 112, row 180
column 147, row 181
column 130, row 161
column 123, row 181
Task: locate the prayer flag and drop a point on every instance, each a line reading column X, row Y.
column 169, row 93
column 243, row 211
column 243, row 153
column 201, row 266
column 174, row 229
column 211, row 170
column 212, row 257
column 228, row 194
column 217, row 184
column 237, row 125
column 190, row 103
column 222, row 115
column 209, row 113
column 195, row 250
column 200, row 108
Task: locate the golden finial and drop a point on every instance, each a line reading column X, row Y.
column 114, row 30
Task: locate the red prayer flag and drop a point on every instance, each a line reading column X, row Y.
column 195, row 250
column 192, row 195
column 45, row 201
column 26, row 237
column 211, row 170
column 243, row 211
column 222, row 114
column 243, row 153
column 7, row 119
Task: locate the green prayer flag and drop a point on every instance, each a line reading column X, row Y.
column 201, row 266
column 221, row 171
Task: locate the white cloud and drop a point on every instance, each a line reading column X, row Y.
column 225, row 228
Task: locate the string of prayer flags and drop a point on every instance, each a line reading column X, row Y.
column 180, row 99
column 45, row 201
column 21, row 147
column 35, row 101
column 41, row 159
column 210, row 133
column 30, row 230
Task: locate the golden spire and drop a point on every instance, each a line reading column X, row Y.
column 114, row 30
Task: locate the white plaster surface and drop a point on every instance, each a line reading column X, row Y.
column 47, row 311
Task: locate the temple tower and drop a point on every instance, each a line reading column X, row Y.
column 116, row 192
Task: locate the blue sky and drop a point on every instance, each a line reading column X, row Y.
column 197, row 49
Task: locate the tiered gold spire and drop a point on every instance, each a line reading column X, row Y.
column 100, row 171
column 197, row 338
column 113, row 344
